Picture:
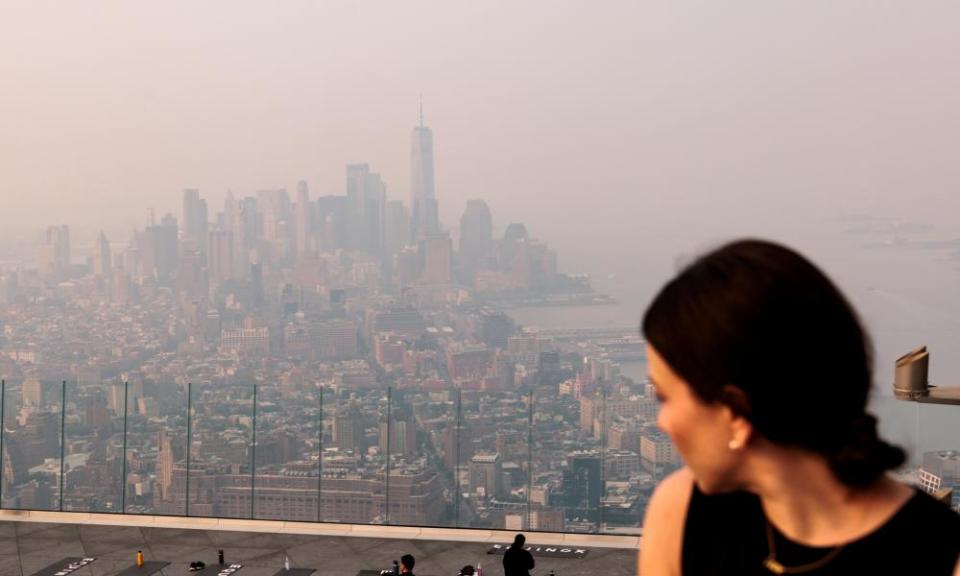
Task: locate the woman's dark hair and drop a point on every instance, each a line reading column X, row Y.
column 756, row 326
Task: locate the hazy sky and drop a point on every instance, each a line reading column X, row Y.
column 623, row 133
column 631, row 122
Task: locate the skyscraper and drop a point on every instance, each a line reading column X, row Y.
column 435, row 259
column 194, row 218
column 160, row 249
column 397, row 227
column 102, row 261
column 302, row 220
column 192, row 278
column 220, row 257
column 332, row 222
column 165, row 462
column 486, row 474
column 233, row 221
column 476, row 237
column 274, row 208
column 583, row 486
column 348, row 432
column 250, row 227
column 423, row 197
column 54, row 255
column 366, row 199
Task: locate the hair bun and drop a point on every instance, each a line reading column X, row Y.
column 861, row 456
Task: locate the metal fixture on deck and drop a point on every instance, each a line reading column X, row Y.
column 910, row 381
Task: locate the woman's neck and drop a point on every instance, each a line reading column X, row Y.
column 803, row 499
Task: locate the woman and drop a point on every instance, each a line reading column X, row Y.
column 763, row 373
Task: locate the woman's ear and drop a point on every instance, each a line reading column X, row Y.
column 741, row 432
column 741, row 429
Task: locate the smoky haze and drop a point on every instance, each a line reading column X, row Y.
column 627, row 135
column 655, row 115
column 623, row 135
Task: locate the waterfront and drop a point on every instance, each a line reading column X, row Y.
column 899, row 313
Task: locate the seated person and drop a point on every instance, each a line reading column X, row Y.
column 763, row 373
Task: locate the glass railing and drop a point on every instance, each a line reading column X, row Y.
column 579, row 457
column 543, row 458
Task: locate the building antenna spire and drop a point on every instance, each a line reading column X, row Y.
column 421, row 110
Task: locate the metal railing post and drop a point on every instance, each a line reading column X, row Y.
column 456, row 467
column 63, row 434
column 320, row 460
column 186, row 511
column 253, row 455
column 123, row 477
column 386, row 491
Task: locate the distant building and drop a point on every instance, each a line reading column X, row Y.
column 402, row 435
column 303, row 222
column 33, row 392
column 245, row 339
column 54, row 253
column 423, row 197
column 657, row 452
column 335, row 339
column 583, row 486
column 547, row 519
column 160, row 250
column 621, row 464
column 486, row 475
column 469, row 361
column 405, row 321
column 623, row 436
column 397, row 227
column 348, row 430
column 366, row 201
column 416, row 497
column 103, row 259
column 275, row 215
column 220, row 256
column 332, row 221
column 165, row 462
column 389, row 349
column 495, row 328
column 436, row 253
column 941, row 470
column 476, row 238
column 525, row 349
column 194, row 219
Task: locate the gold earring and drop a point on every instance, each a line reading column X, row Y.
column 734, row 445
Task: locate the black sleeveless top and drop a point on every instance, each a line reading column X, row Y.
column 727, row 534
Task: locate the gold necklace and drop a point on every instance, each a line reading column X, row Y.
column 771, row 563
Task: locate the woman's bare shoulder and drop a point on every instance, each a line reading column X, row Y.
column 662, row 538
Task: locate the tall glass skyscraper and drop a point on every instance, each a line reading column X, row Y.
column 423, row 197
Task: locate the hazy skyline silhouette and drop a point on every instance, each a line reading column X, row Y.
column 742, row 111
column 624, row 136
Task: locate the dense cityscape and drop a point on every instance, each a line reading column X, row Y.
column 330, row 358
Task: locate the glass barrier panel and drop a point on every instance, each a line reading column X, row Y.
column 32, row 423
column 353, row 465
column 221, row 481
column 431, row 461
column 418, row 493
column 565, row 462
column 93, row 447
column 493, row 453
column 156, row 447
column 287, row 451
